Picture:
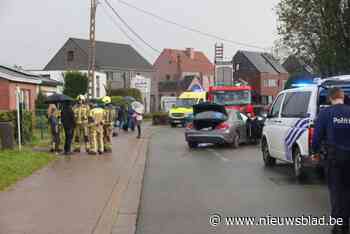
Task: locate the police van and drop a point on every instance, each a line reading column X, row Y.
column 288, row 129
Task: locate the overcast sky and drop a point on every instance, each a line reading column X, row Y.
column 32, row 31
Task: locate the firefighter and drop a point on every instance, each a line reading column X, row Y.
column 81, row 112
column 96, row 123
column 333, row 128
column 109, row 119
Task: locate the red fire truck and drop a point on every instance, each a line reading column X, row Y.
column 235, row 96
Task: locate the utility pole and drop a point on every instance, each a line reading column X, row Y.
column 92, row 49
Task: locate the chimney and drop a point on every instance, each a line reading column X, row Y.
column 190, row 53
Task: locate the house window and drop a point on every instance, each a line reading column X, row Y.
column 167, row 77
column 98, row 86
column 70, row 56
column 117, row 76
column 25, row 99
column 270, row 83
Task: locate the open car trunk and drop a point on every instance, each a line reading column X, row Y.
column 207, row 116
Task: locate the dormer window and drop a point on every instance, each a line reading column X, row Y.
column 70, row 56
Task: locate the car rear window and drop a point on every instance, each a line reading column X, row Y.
column 323, row 96
column 296, row 105
column 211, row 115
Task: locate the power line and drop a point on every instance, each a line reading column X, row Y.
column 121, row 28
column 189, row 28
column 130, row 28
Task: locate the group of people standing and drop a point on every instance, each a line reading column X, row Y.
column 90, row 125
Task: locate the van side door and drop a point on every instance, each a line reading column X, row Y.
column 272, row 126
column 295, row 121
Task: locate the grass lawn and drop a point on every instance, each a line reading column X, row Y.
column 15, row 165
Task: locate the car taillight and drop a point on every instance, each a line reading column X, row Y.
column 223, row 126
column 190, row 126
column 310, row 135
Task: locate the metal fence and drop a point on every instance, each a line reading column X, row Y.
column 41, row 129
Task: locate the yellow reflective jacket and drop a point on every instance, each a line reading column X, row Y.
column 81, row 113
column 97, row 116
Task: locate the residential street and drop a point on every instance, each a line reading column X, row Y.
column 182, row 187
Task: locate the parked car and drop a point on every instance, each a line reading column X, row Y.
column 212, row 123
column 289, row 127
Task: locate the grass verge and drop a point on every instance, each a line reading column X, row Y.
column 15, row 165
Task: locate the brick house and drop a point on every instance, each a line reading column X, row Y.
column 180, row 70
column 262, row 71
column 115, row 63
column 28, row 84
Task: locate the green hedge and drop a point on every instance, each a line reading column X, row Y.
column 27, row 125
column 127, row 92
column 118, row 100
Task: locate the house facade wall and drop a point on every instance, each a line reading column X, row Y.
column 260, row 83
column 4, row 94
column 30, row 89
column 168, row 69
column 61, row 62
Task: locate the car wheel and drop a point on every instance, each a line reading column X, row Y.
column 299, row 171
column 268, row 160
column 192, row 145
column 235, row 143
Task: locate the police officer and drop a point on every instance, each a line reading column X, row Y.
column 96, row 122
column 81, row 112
column 333, row 128
column 109, row 118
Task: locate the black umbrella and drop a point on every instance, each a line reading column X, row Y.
column 58, row 98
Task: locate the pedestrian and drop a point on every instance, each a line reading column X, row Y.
column 131, row 122
column 138, row 121
column 96, row 122
column 333, row 128
column 252, row 126
column 54, row 127
column 67, row 118
column 81, row 112
column 122, row 117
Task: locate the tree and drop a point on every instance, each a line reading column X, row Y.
column 75, row 83
column 40, row 101
column 127, row 92
column 318, row 32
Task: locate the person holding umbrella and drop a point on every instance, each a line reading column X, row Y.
column 67, row 118
column 138, row 110
column 68, row 122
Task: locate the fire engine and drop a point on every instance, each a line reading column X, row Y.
column 233, row 95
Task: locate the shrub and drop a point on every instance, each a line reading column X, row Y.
column 27, row 124
column 123, row 92
column 118, row 101
column 40, row 101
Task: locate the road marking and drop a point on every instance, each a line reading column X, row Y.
column 222, row 158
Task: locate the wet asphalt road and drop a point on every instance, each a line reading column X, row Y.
column 182, row 187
